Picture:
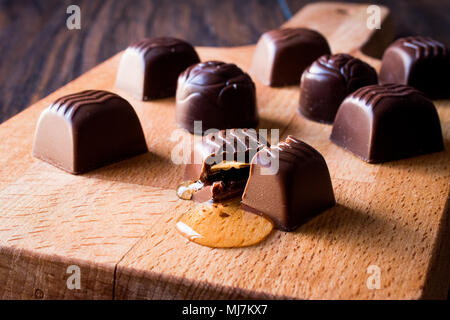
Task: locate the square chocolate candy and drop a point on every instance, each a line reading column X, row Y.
column 149, row 69
column 87, row 130
column 419, row 62
column 382, row 123
column 281, row 55
column 289, row 183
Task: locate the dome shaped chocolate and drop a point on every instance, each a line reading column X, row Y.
column 218, row 94
column 328, row 80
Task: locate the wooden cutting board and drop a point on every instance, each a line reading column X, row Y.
column 117, row 224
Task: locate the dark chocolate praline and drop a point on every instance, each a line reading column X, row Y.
column 149, row 68
column 281, row 55
column 388, row 122
column 419, row 62
column 218, row 94
column 328, row 80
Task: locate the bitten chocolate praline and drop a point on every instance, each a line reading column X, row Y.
column 381, row 123
column 289, row 183
column 149, row 69
column 328, row 80
column 281, row 55
column 86, row 130
column 221, row 162
column 218, row 94
column 419, row 62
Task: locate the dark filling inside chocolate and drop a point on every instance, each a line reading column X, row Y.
column 226, row 184
column 223, row 191
column 231, row 174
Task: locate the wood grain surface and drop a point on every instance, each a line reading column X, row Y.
column 118, row 223
column 39, row 54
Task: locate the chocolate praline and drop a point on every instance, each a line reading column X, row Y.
column 281, row 55
column 382, row 123
column 149, row 68
column 218, row 94
column 220, row 162
column 328, row 80
column 420, row 62
column 289, row 183
column 86, row 130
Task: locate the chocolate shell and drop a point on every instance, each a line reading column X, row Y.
column 419, row 62
column 221, row 161
column 328, row 80
column 149, row 69
column 381, row 123
column 281, row 55
column 289, row 183
column 86, row 130
column 218, row 94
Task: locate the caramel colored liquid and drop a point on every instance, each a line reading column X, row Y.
column 223, row 225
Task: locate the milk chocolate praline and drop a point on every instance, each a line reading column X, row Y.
column 149, row 68
column 419, row 62
column 221, row 162
column 218, row 94
column 289, row 183
column 328, row 80
column 281, row 55
column 86, row 130
column 381, row 123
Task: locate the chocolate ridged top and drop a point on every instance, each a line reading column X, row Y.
column 289, row 183
column 86, row 130
column 233, row 143
column 422, row 47
column 289, row 152
column 150, row 46
column 345, row 67
column 234, row 140
column 371, row 96
column 215, row 73
column 293, row 148
column 68, row 105
column 387, row 122
column 420, row 62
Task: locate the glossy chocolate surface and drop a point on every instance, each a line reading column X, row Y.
column 219, row 94
column 381, row 123
column 420, row 62
column 281, row 55
column 298, row 191
column 149, row 69
column 328, row 80
column 222, row 162
column 86, row 130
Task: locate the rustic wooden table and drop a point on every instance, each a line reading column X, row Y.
column 39, row 54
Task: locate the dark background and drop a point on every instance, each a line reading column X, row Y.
column 38, row 54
